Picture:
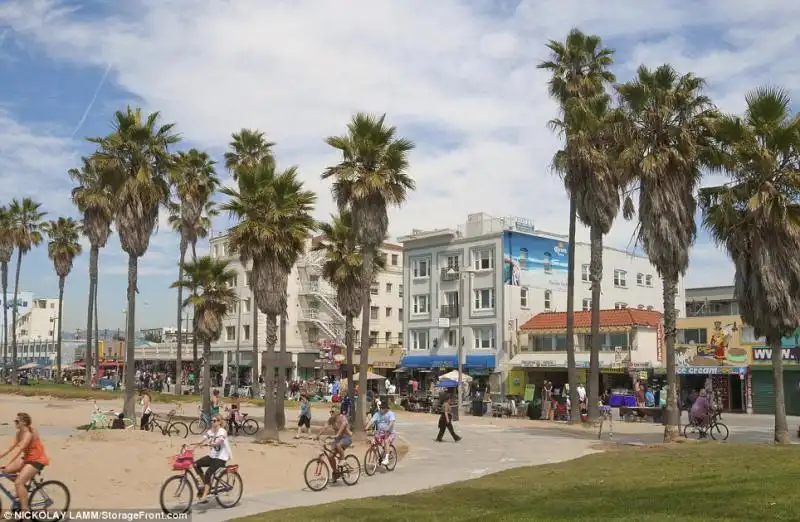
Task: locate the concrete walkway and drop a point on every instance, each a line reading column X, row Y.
column 484, row 449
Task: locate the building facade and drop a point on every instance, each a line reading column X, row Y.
column 481, row 281
column 37, row 318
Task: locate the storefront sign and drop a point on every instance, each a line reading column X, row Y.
column 711, row 370
column 541, row 364
column 660, row 342
column 763, row 355
column 384, row 364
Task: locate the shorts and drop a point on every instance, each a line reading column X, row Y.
column 382, row 436
column 305, row 420
column 38, row 465
column 345, row 442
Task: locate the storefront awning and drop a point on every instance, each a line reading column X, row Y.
column 481, row 362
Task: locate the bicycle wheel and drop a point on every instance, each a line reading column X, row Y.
column 175, row 487
column 178, row 429
column 228, row 483
column 197, row 426
column 50, row 496
column 392, row 460
column 250, row 427
column 718, row 431
column 690, row 431
column 371, row 460
column 317, row 474
column 351, row 470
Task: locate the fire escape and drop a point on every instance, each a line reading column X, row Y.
column 320, row 318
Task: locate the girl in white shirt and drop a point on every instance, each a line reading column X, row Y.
column 218, row 455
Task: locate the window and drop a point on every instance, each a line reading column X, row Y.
column 587, row 305
column 373, row 312
column 230, row 333
column 585, row 273
column 356, row 336
column 452, row 339
column 484, row 338
column 453, row 261
column 388, row 311
column 419, row 339
column 246, row 332
column 650, row 308
column 400, row 338
column 395, row 259
column 248, row 277
column 523, row 258
column 483, row 299
column 235, row 281
column 692, row 336
column 313, row 334
column 421, row 305
column 400, row 290
column 548, row 263
column 748, row 336
column 620, row 306
column 523, row 297
column 548, row 300
column 548, row 343
column 373, row 337
column 619, row 278
column 640, row 307
column 387, row 338
column 640, row 279
column 482, row 259
column 421, row 268
column 373, row 289
column 388, row 288
column 648, row 280
column 400, row 314
column 450, row 298
column 235, row 307
column 247, row 305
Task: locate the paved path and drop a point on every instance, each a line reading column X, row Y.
column 484, row 449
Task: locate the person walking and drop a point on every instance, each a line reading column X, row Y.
column 446, row 422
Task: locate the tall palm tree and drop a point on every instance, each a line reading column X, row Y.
column 212, row 297
column 93, row 199
column 6, row 251
column 579, row 68
column 248, row 148
column 135, row 161
column 371, row 176
column 344, row 268
column 668, row 127
column 195, row 182
column 274, row 221
column 756, row 218
column 63, row 247
column 26, row 223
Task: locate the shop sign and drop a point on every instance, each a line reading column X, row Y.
column 711, row 370
column 660, row 342
column 541, row 364
column 384, row 364
column 763, row 355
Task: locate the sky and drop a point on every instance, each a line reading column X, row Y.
column 458, row 77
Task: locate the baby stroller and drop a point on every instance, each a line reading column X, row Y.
column 560, row 412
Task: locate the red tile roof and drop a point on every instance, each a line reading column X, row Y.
column 608, row 318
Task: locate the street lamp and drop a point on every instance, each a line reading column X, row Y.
column 239, row 302
column 460, row 272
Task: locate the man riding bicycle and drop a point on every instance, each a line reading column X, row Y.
column 384, row 421
column 343, row 437
column 701, row 410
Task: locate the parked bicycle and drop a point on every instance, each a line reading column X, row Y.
column 247, row 426
column 168, row 425
column 202, row 423
column 43, row 495
column 103, row 420
column 715, row 429
column 327, row 468
column 373, row 458
column 226, row 484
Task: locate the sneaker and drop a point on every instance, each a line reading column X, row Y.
column 385, row 461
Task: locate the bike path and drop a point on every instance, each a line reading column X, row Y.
column 428, row 464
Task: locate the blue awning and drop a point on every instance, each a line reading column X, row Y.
column 481, row 362
column 429, row 361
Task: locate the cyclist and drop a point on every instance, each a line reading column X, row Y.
column 216, row 403
column 218, row 455
column 27, row 457
column 701, row 410
column 384, row 421
column 343, row 437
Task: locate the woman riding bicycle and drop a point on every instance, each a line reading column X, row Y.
column 384, row 421
column 28, row 457
column 218, row 455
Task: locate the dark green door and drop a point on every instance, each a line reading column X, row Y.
column 763, row 392
column 791, row 389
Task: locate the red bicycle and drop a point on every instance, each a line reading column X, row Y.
column 226, row 481
column 326, row 468
column 375, row 455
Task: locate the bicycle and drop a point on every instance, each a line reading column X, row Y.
column 37, row 487
column 328, row 468
column 225, row 480
column 103, row 420
column 373, row 458
column 201, row 423
column 714, row 428
column 168, row 426
column 248, row 426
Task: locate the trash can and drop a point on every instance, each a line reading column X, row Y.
column 477, row 407
column 534, row 412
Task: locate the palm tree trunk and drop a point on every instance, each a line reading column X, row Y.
column 280, row 400
column 349, row 338
column 781, row 426
column 206, row 375
column 178, row 356
column 96, row 326
column 254, row 330
column 596, row 277
column 4, row 268
column 130, row 353
column 270, row 431
column 14, row 316
column 672, row 421
column 94, row 251
column 194, row 336
column 61, row 281
column 572, row 372
column 361, row 409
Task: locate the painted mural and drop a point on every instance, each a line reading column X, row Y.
column 716, row 353
column 534, row 261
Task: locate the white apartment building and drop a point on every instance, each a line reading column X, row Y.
column 313, row 316
column 487, row 277
column 38, row 320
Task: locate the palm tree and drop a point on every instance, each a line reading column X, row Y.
column 756, row 218
column 668, row 118
column 63, row 247
column 247, row 149
column 344, row 268
column 93, row 199
column 579, row 68
column 135, row 161
column 274, row 222
column 195, row 182
column 26, row 223
column 212, row 296
column 6, row 251
column 371, row 176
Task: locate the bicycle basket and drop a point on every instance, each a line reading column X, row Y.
column 182, row 461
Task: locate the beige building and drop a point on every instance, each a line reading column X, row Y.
column 314, row 319
column 38, row 321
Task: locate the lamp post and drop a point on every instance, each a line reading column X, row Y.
column 460, row 272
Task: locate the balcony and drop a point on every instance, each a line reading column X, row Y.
column 449, row 273
column 449, row 311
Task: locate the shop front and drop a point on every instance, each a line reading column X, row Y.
column 715, row 368
column 425, row 369
column 383, row 360
column 762, row 386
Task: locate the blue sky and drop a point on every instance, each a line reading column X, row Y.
column 457, row 77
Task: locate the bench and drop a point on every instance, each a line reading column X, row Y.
column 630, row 414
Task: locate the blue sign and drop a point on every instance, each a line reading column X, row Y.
column 711, row 370
column 447, row 361
column 534, row 261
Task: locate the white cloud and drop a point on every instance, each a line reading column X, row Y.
column 459, row 78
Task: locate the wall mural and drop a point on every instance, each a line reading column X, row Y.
column 715, row 353
column 534, row 261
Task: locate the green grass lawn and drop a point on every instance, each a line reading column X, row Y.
column 687, row 482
